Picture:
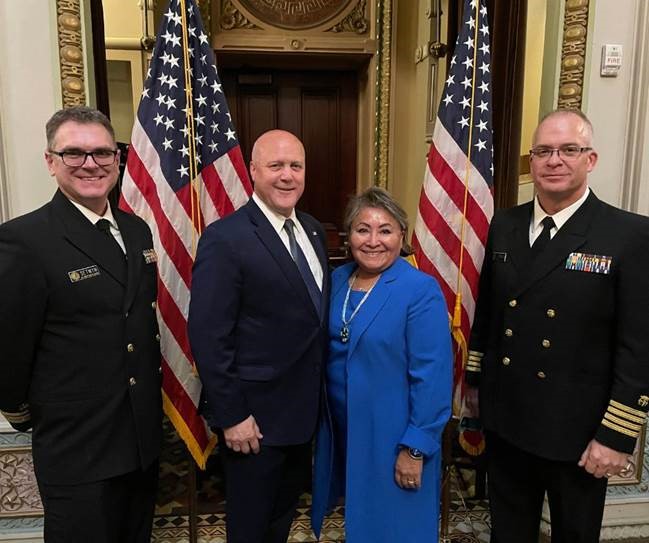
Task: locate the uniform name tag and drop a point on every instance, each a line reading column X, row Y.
column 589, row 263
column 149, row 256
column 499, row 256
column 83, row 273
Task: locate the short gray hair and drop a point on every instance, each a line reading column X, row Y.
column 379, row 198
column 77, row 114
column 589, row 131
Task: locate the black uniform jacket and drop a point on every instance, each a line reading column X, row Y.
column 560, row 346
column 79, row 354
column 255, row 334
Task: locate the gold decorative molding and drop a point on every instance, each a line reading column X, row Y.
column 232, row 18
column 573, row 54
column 205, row 8
column 295, row 14
column 70, row 52
column 19, row 494
column 356, row 21
column 382, row 141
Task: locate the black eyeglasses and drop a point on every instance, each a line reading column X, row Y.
column 74, row 159
column 565, row 151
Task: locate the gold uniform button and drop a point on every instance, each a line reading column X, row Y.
column 551, row 313
column 513, row 303
column 541, row 375
column 132, row 381
column 546, row 343
column 130, row 347
column 154, row 305
column 160, row 369
column 506, row 361
column 157, row 337
column 509, row 332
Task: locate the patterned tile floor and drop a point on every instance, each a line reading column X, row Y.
column 468, row 519
column 465, row 528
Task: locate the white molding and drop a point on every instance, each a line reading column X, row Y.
column 5, row 426
column 4, row 194
column 637, row 120
column 623, row 518
column 27, row 537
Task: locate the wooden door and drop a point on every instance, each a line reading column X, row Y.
column 320, row 108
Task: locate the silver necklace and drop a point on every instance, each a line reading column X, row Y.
column 344, row 331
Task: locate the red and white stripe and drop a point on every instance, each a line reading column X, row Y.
column 438, row 238
column 222, row 187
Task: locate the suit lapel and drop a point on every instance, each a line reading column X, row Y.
column 134, row 257
column 375, row 301
column 571, row 236
column 519, row 237
column 87, row 239
column 269, row 238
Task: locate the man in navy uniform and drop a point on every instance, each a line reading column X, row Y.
column 80, row 353
column 559, row 344
column 257, row 327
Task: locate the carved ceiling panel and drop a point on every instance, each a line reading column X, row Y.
column 295, row 14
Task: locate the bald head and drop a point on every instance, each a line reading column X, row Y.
column 277, row 170
column 582, row 124
column 273, row 139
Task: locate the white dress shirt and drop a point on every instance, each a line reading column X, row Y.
column 108, row 215
column 560, row 217
column 277, row 222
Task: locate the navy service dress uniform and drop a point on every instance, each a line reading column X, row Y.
column 80, row 356
column 560, row 344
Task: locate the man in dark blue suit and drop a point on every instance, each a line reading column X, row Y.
column 257, row 322
column 559, row 344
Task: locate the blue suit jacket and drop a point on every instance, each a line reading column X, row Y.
column 255, row 334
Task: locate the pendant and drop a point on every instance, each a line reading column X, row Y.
column 344, row 334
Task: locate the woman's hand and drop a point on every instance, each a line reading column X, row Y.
column 407, row 471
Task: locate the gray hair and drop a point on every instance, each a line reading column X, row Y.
column 378, row 198
column 77, row 114
column 588, row 126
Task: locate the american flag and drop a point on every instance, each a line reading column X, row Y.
column 456, row 203
column 184, row 170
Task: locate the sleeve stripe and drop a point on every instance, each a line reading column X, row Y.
column 629, row 410
column 16, row 418
column 622, row 422
column 625, row 415
column 619, row 429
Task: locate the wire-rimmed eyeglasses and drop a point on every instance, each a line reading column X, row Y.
column 569, row 152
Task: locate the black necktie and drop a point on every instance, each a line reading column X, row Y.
column 544, row 237
column 104, row 226
column 302, row 265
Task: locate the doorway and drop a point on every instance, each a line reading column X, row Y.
column 320, row 108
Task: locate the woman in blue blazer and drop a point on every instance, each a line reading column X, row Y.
column 388, row 385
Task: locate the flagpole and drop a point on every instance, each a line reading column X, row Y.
column 189, row 123
column 457, row 310
column 192, row 504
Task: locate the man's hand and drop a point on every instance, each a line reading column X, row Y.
column 601, row 461
column 407, row 471
column 243, row 437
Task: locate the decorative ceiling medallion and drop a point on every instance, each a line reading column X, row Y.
column 295, row 14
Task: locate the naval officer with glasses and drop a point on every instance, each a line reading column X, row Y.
column 559, row 344
column 80, row 353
